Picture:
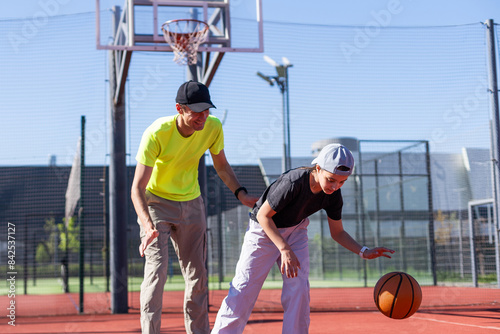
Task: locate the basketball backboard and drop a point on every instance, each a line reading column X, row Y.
column 234, row 25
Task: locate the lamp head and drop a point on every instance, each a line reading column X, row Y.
column 269, row 80
column 271, row 61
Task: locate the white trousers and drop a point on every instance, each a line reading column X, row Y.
column 258, row 255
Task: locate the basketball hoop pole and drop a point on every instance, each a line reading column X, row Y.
column 118, row 211
column 192, row 73
column 194, row 70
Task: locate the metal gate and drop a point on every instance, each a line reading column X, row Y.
column 483, row 241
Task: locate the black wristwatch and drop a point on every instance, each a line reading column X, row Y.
column 237, row 191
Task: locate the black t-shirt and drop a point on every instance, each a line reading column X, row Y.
column 292, row 199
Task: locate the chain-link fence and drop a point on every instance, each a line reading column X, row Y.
column 415, row 100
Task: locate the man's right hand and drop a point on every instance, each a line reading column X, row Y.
column 150, row 236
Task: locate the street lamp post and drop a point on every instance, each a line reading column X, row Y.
column 281, row 80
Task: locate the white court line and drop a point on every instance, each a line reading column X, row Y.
column 73, row 301
column 457, row 323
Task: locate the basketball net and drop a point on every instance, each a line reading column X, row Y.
column 184, row 37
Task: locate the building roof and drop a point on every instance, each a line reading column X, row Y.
column 457, row 178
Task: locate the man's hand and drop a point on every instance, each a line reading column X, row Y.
column 246, row 199
column 150, row 236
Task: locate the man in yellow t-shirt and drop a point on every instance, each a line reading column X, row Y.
column 167, row 198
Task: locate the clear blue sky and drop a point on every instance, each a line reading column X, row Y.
column 415, row 13
column 354, row 12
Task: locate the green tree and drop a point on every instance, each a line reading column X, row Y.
column 69, row 235
column 45, row 249
column 60, row 236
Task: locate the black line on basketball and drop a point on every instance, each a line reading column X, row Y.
column 381, row 287
column 412, row 295
column 396, row 293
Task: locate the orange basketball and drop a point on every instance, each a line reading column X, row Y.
column 397, row 295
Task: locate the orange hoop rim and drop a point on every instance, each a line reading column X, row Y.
column 202, row 23
column 185, row 38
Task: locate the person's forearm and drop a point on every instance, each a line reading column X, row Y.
column 227, row 175
column 345, row 240
column 272, row 232
column 225, row 171
column 141, row 208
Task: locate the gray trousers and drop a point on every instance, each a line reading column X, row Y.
column 185, row 224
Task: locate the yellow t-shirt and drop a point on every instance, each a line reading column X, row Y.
column 175, row 158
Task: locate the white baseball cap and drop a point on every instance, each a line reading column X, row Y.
column 336, row 159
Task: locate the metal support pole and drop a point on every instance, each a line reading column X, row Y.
column 282, row 81
column 284, row 161
column 81, row 213
column 25, row 255
column 220, row 230
column 472, row 246
column 402, row 233
column 432, row 243
column 117, row 189
column 288, row 153
column 377, row 213
column 358, row 190
column 193, row 74
column 495, row 150
column 286, row 121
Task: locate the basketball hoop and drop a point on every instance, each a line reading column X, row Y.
column 184, row 37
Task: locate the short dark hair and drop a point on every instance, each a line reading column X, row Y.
column 343, row 168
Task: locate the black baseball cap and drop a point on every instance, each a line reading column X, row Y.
column 195, row 95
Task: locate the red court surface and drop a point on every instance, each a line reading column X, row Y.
column 443, row 310
column 457, row 321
